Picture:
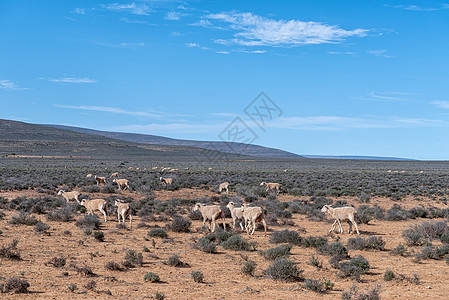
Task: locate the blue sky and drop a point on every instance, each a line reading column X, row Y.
column 351, row 77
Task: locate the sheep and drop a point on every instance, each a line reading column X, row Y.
column 100, row 180
column 89, row 175
column 236, row 214
column 253, row 215
column 123, row 210
column 166, row 181
column 115, row 174
column 154, row 168
column 211, row 213
column 286, row 170
column 271, row 186
column 93, row 205
column 346, row 213
column 70, row 195
column 224, row 187
column 122, row 183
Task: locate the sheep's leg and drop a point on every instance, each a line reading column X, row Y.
column 264, row 226
column 118, row 217
column 224, row 223
column 130, row 221
column 213, row 224
column 254, row 227
column 333, row 226
column 350, row 227
column 341, row 227
column 355, row 225
column 241, row 226
column 233, row 223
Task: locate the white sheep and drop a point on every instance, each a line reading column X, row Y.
column 89, row 175
column 271, row 186
column 100, row 180
column 93, row 205
column 224, row 187
column 346, row 213
column 122, row 183
column 166, row 181
column 211, row 213
column 115, row 174
column 68, row 196
column 236, row 214
column 253, row 215
column 124, row 210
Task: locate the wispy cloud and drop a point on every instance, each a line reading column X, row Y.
column 420, row 8
column 385, row 96
column 173, row 16
column 254, row 30
column 108, row 109
column 132, row 8
column 341, row 53
column 441, row 104
column 71, row 80
column 380, row 52
column 10, row 85
column 173, row 128
column 196, row 45
column 79, row 11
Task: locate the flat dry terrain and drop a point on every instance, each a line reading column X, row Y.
column 222, row 275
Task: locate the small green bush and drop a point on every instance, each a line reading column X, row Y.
column 237, row 243
column 151, row 277
column 206, row 245
column 99, row 236
column 389, row 275
column 277, row 252
column 197, row 276
column 158, row 232
column 283, row 269
column 286, row 236
column 249, row 268
column 180, row 224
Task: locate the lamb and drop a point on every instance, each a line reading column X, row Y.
column 236, row 214
column 122, row 183
column 100, row 180
column 115, row 174
column 224, row 187
column 211, row 213
column 346, row 213
column 253, row 215
column 88, row 175
column 271, row 186
column 123, row 210
column 68, row 196
column 95, row 204
column 166, row 181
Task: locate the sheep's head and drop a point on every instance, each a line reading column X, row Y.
column 197, row 206
column 160, row 178
column 244, row 206
column 115, row 180
column 61, row 192
column 230, row 205
column 263, row 183
column 325, row 208
column 118, row 202
column 84, row 202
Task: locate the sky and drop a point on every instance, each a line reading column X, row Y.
column 338, row 77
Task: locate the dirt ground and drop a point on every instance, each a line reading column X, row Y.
column 222, row 276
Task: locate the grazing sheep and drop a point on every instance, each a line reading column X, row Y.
column 123, row 210
column 346, row 213
column 271, row 186
column 166, row 181
column 286, row 170
column 122, row 183
column 253, row 215
column 154, row 168
column 236, row 214
column 68, row 196
column 211, row 213
column 89, row 175
column 100, row 180
column 93, row 205
column 224, row 187
column 115, row 174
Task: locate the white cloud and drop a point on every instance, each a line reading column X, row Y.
column 385, row 96
column 71, row 80
column 80, row 11
column 10, row 85
column 173, row 16
column 222, row 52
column 132, row 8
column 172, row 128
column 254, row 30
column 192, row 45
column 419, row 8
column 109, row 110
column 441, row 104
column 379, row 53
column 132, row 44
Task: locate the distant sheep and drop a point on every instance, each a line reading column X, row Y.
column 224, row 187
column 93, row 205
column 346, row 213
column 123, row 210
column 68, row 196
column 166, row 181
column 89, row 175
column 100, row 180
column 211, row 213
column 122, row 184
column 115, row 174
column 253, row 215
column 271, row 186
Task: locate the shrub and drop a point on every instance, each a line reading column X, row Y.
column 237, row 243
column 277, row 252
column 249, row 268
column 41, row 227
column 283, row 269
column 84, row 271
column 412, row 237
column 206, row 245
column 433, row 253
column 335, row 248
column 372, row 242
column 364, row 197
column 88, row 221
column 174, row 261
column 57, row 262
column 318, row 286
column 314, row 261
column 99, row 236
column 389, row 275
column 396, row 213
column 197, row 276
column 399, row 250
column 159, row 296
column 314, row 241
column 16, row 285
column 425, row 232
column 354, row 268
column 60, row 215
column 220, row 236
column 151, row 277
column 286, row 236
column 195, row 215
column 132, row 258
column 10, row 251
column 72, row 287
column 23, row 218
column 158, row 232
column 355, row 294
column 180, row 224
column 91, row 285
column 113, row 266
